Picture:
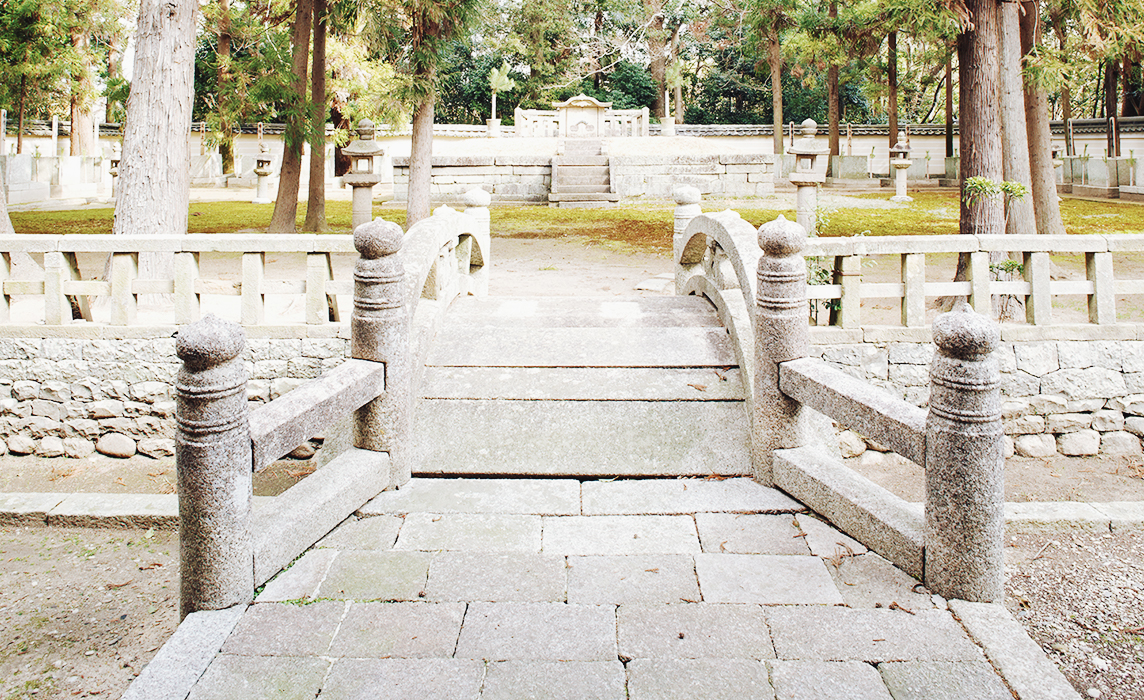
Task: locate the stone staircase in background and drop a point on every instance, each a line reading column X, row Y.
column 582, row 177
column 581, row 387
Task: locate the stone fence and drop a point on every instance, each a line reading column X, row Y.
column 88, row 363
column 954, row 543
column 1072, row 374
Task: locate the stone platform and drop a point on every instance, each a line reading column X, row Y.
column 529, row 588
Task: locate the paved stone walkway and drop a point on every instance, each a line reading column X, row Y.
column 637, row 589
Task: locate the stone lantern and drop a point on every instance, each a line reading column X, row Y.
column 363, row 175
column 900, row 162
column 806, row 175
column 262, row 170
column 114, row 169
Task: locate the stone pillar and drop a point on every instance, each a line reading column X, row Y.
column 965, row 467
column 215, row 468
column 781, row 333
column 687, row 199
column 900, row 165
column 3, row 132
column 55, row 136
column 380, row 333
column 476, row 203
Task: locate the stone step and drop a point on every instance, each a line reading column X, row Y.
column 583, row 383
column 580, row 438
column 473, row 346
column 584, row 197
column 583, row 205
column 563, row 161
column 582, row 189
column 576, row 312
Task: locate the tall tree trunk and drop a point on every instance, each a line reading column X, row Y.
column 316, row 197
column 20, row 115
column 1044, row 182
column 154, row 170
column 832, row 107
column 1014, row 138
column 286, row 203
column 82, row 120
column 980, row 139
column 658, row 64
column 678, row 88
column 949, row 107
column 225, row 127
column 112, row 73
column 1111, row 100
column 892, row 83
column 1133, row 105
column 775, row 59
column 421, row 161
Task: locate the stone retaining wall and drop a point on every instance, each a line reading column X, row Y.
column 732, row 175
column 118, row 396
column 513, row 178
column 1072, row 397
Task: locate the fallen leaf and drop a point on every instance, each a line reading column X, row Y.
column 652, row 571
column 120, row 585
column 700, row 387
column 152, row 565
column 894, row 606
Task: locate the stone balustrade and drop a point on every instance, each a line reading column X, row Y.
column 69, row 387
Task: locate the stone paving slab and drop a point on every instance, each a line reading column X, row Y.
column 943, row 680
column 26, row 509
column 175, row 670
column 1123, row 515
column 693, row 631
column 370, row 575
column 423, row 679
column 827, row 680
column 301, row 580
column 583, row 383
column 261, row 678
column 825, row 540
column 378, row 532
column 869, row 581
column 646, row 578
column 765, row 579
column 679, row 496
column 405, row 630
column 471, row 532
column 506, row 578
column 874, row 636
column 555, row 680
column 581, row 438
column 573, row 311
column 538, row 631
column 735, row 533
column 623, row 346
column 710, row 679
column 526, row 496
column 275, row 629
column 1018, row 658
column 620, row 534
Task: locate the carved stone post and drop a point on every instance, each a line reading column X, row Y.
column 380, row 333
column 781, row 334
column 687, row 207
column 215, row 468
column 965, row 467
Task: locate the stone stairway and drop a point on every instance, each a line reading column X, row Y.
column 590, row 387
column 582, row 177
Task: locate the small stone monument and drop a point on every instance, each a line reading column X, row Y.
column 114, row 169
column 806, row 176
column 262, row 170
column 362, row 175
column 900, row 162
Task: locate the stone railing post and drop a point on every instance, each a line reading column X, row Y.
column 687, row 199
column 215, row 468
column 781, row 333
column 965, row 497
column 476, row 203
column 380, row 333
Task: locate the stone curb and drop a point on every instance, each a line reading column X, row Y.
column 112, row 511
column 184, row 658
column 161, row 511
column 1019, row 660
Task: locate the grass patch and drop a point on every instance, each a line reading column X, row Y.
column 642, row 227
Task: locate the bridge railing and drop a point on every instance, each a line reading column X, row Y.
column 953, row 543
column 228, row 547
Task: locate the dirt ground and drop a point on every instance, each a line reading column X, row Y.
column 84, row 610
